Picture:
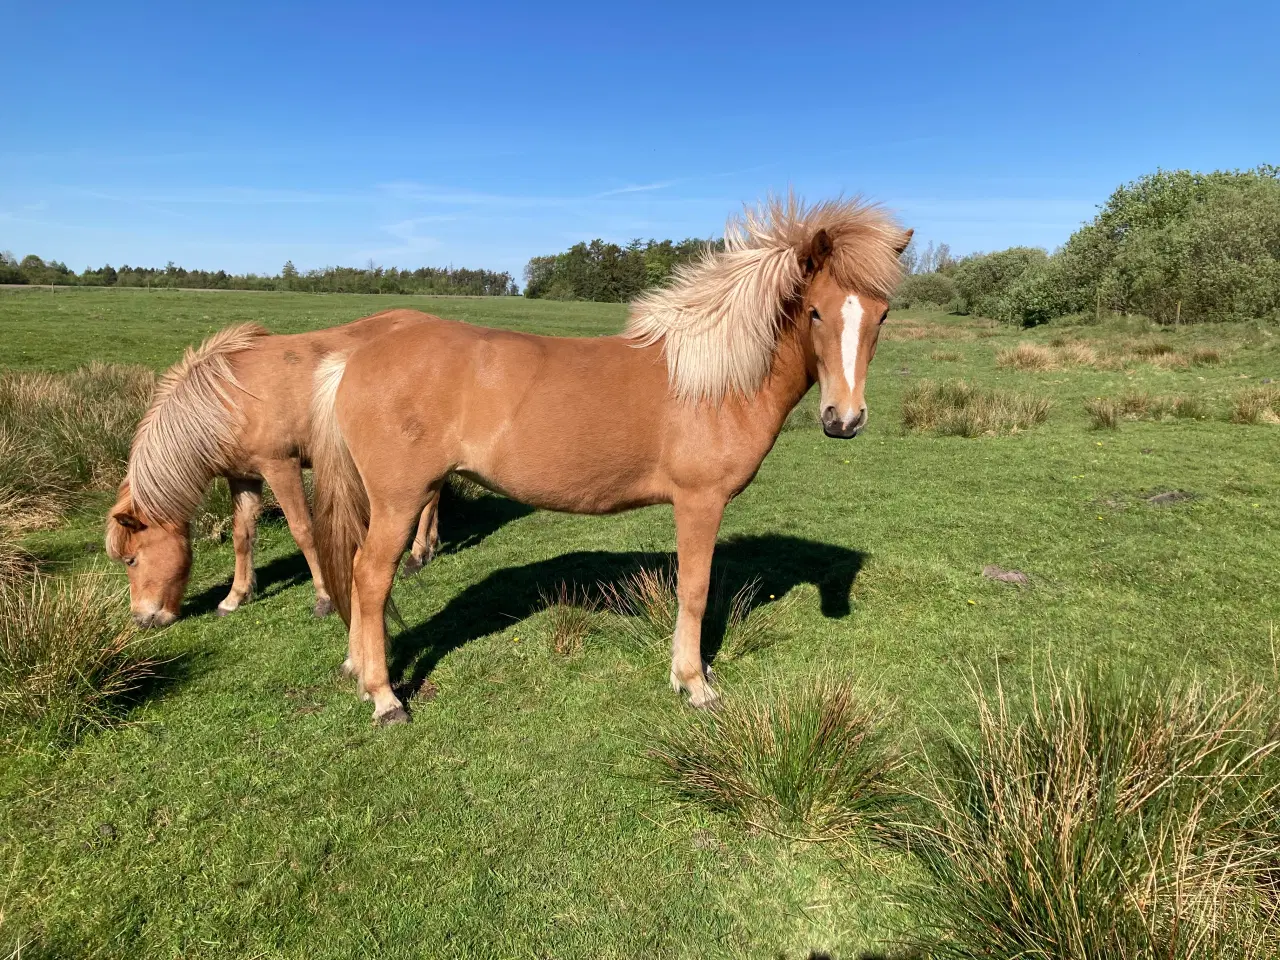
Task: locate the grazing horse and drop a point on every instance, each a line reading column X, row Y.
column 681, row 408
column 238, row 406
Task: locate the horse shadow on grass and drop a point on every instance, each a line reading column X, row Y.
column 464, row 522
column 776, row 562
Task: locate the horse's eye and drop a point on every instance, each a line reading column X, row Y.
column 130, row 561
column 813, row 315
column 884, row 316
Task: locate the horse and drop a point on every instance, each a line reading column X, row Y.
column 681, row 408
column 238, row 406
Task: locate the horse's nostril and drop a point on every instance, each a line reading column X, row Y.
column 828, row 416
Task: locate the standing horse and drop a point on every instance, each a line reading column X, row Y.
column 681, row 408
column 238, row 407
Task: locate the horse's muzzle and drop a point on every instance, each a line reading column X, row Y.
column 156, row 618
column 839, row 429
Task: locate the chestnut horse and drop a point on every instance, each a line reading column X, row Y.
column 238, row 407
column 681, row 408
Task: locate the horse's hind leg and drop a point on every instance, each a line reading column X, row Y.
column 285, row 479
column 246, row 494
column 425, row 540
column 697, row 523
column 373, row 574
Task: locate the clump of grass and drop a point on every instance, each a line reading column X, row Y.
column 1256, row 405
column 647, row 602
column 1112, row 818
column 945, row 356
column 1205, row 356
column 817, row 762
column 750, row 627
column 1104, row 413
column 955, row 408
column 1189, row 408
column 1026, row 356
column 64, row 434
column 68, row 653
column 570, row 616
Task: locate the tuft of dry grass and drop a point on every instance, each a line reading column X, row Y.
column 1104, row 413
column 751, row 627
column 63, row 434
column 647, row 602
column 1026, row 356
column 1205, row 356
column 956, row 408
column 69, row 653
column 1189, row 408
column 1112, row 818
column 1256, row 405
column 1075, row 354
column 945, row 356
column 570, row 617
column 816, row 763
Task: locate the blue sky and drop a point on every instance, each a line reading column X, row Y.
column 240, row 136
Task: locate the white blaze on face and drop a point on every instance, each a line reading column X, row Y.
column 851, row 339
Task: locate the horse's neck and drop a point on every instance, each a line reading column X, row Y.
column 789, row 379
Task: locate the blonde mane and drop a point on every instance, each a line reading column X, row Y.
column 718, row 321
column 188, row 434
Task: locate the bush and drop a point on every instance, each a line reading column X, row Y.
column 817, row 762
column 924, row 289
column 983, row 279
column 1113, row 819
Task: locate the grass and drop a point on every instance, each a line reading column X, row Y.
column 570, row 617
column 1257, row 405
column 960, row 409
column 254, row 810
column 1112, row 817
column 63, row 435
column 815, row 762
column 69, row 655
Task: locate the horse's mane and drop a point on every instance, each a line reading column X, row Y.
column 188, row 434
column 718, row 321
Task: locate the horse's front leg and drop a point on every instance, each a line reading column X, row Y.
column 285, row 479
column 697, row 523
column 246, row 495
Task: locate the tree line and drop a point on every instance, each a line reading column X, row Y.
column 608, row 272
column 371, row 279
column 1174, row 246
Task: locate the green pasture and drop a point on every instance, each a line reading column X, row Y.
column 248, row 808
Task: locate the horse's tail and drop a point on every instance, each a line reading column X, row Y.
column 341, row 511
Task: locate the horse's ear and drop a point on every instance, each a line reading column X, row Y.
column 817, row 254
column 127, row 520
column 906, row 238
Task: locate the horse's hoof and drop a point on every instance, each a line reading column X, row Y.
column 224, row 611
column 323, row 607
column 392, row 717
column 704, row 699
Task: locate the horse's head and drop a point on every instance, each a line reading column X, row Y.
column 157, row 557
column 844, row 327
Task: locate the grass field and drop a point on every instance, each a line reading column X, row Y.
column 249, row 808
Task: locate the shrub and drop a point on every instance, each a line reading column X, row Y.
column 817, row 762
column 955, row 408
column 982, row 279
column 68, row 653
column 1113, row 818
column 924, row 289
